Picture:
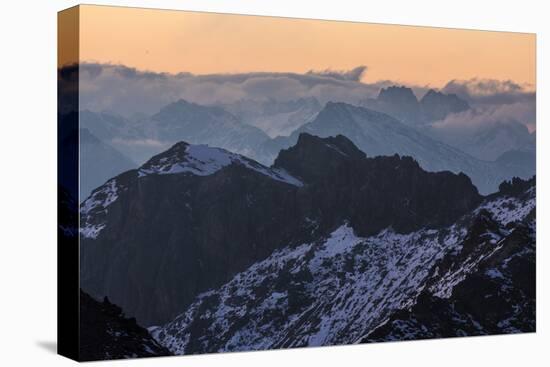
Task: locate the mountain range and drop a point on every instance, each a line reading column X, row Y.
column 376, row 133
column 202, row 214
column 326, row 246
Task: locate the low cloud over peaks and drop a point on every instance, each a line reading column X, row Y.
column 117, row 88
column 490, row 91
column 354, row 74
column 128, row 91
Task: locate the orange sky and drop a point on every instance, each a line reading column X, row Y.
column 205, row 43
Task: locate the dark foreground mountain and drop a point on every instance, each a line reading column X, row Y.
column 105, row 333
column 377, row 134
column 191, row 218
column 474, row 277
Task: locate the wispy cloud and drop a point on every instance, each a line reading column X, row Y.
column 126, row 90
column 490, row 91
column 354, row 74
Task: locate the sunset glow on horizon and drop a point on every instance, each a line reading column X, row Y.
column 208, row 43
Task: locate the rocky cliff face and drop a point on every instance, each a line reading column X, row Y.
column 343, row 183
column 485, row 287
column 191, row 218
column 474, row 277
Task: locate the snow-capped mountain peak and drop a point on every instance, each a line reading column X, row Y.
column 203, row 160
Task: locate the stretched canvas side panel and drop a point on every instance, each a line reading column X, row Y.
column 68, row 183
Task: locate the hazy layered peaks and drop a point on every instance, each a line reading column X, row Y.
column 402, row 103
column 340, row 113
column 184, row 106
column 433, row 96
column 99, row 161
column 183, row 111
column 197, row 124
column 397, row 94
column 482, row 135
column 275, row 117
column 436, row 105
column 334, row 113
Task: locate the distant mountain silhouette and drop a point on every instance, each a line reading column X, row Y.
column 401, row 103
column 199, row 124
column 98, row 160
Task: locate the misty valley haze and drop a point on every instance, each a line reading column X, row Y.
column 480, row 127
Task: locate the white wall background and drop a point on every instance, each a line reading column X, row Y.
column 28, row 182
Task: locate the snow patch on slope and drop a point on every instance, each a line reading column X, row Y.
column 504, row 210
column 95, row 207
column 353, row 283
column 509, row 209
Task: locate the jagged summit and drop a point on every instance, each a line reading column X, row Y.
column 339, row 144
column 313, row 156
column 402, row 103
column 437, row 105
column 397, row 94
